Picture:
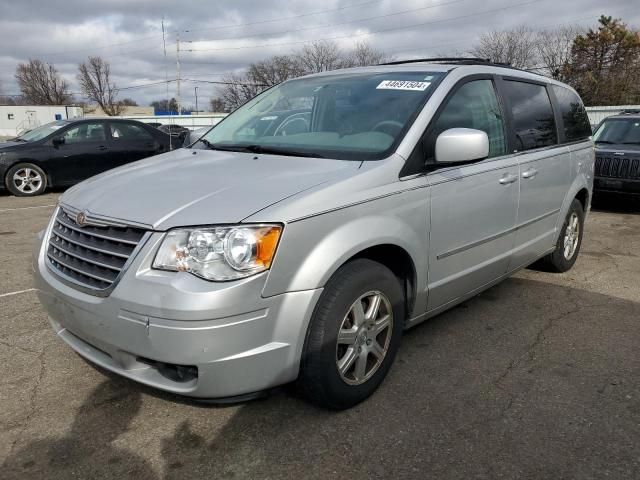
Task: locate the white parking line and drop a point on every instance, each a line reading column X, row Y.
column 17, row 293
column 25, row 208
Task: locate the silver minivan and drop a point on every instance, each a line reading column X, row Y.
column 298, row 238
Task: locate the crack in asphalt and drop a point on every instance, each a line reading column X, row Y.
column 32, row 402
column 528, row 354
column 24, row 349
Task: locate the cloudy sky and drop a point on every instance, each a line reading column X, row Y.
column 221, row 37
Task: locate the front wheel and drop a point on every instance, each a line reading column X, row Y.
column 353, row 336
column 26, row 180
column 569, row 241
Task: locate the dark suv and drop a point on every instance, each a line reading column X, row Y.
column 617, row 168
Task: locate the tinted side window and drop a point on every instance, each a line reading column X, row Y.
column 86, row 132
column 574, row 115
column 533, row 120
column 474, row 105
column 129, row 131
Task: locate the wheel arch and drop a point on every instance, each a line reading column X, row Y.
column 398, row 260
column 386, row 239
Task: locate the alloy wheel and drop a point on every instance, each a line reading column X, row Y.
column 364, row 338
column 571, row 236
column 27, row 180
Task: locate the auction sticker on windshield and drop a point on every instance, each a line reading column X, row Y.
column 403, row 85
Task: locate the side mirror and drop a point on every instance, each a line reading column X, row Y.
column 461, row 145
column 58, row 141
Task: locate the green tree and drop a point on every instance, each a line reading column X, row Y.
column 605, row 64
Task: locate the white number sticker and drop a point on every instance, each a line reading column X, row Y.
column 403, row 85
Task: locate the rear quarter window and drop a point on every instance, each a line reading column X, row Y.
column 574, row 116
column 532, row 115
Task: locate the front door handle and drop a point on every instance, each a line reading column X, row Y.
column 103, row 147
column 532, row 172
column 508, row 178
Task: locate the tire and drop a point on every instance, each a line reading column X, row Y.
column 359, row 281
column 36, row 184
column 558, row 261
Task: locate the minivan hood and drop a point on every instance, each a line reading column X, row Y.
column 197, row 187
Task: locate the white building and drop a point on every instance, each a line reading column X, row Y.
column 15, row 119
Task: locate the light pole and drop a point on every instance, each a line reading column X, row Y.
column 196, row 88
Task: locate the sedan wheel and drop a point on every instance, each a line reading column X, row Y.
column 25, row 180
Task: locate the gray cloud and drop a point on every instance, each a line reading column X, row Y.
column 228, row 37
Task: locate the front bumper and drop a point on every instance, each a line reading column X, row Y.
column 158, row 328
column 617, row 185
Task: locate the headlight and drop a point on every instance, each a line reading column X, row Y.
column 219, row 253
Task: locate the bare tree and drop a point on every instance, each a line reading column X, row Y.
column 40, row 83
column 95, row 81
column 363, row 55
column 239, row 89
column 275, row 70
column 320, row 56
column 315, row 57
column 554, row 49
column 217, row 105
column 516, row 47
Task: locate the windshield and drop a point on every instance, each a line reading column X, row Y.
column 41, row 132
column 620, row 130
column 342, row 116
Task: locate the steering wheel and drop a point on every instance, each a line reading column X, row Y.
column 297, row 123
column 390, row 127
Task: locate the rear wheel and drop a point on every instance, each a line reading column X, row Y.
column 569, row 241
column 26, row 180
column 353, row 336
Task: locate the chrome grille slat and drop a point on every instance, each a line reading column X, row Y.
column 91, row 256
column 69, row 251
column 86, row 243
column 68, row 264
column 98, row 235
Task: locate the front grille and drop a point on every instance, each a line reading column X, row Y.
column 617, row 166
column 91, row 256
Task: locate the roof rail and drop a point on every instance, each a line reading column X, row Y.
column 630, row 111
column 454, row 60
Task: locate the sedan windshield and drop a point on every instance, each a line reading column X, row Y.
column 342, row 116
column 622, row 131
column 41, row 132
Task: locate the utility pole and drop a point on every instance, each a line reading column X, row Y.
column 178, row 71
column 196, row 88
column 166, row 72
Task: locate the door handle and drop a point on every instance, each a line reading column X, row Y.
column 103, row 147
column 532, row 172
column 508, row 178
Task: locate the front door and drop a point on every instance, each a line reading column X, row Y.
column 83, row 153
column 474, row 206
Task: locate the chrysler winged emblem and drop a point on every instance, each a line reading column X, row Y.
column 81, row 218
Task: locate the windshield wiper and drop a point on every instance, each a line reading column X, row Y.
column 259, row 149
column 604, row 141
column 18, row 139
column 275, row 151
column 630, row 143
